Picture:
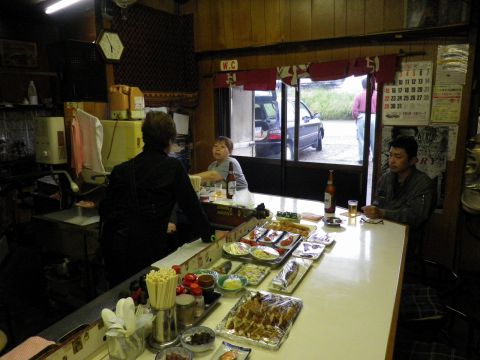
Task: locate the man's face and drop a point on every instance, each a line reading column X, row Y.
column 220, row 151
column 398, row 161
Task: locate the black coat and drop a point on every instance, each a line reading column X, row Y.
column 135, row 212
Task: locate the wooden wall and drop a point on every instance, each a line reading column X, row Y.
column 224, row 25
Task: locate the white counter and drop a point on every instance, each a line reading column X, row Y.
column 350, row 294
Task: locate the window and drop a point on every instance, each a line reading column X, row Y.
column 327, row 132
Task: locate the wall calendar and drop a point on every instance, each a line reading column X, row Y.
column 407, row 101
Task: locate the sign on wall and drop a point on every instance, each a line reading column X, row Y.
column 407, row 100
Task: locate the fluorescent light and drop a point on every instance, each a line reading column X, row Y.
column 59, row 5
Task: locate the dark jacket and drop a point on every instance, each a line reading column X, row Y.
column 135, row 213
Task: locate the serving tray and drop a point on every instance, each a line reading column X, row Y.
column 261, row 318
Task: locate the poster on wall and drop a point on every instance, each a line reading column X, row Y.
column 446, row 103
column 407, row 100
column 432, row 151
column 452, row 64
column 428, row 13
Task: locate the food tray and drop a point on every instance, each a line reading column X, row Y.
column 309, row 250
column 268, row 317
column 303, row 266
column 254, row 273
column 301, row 229
column 273, row 264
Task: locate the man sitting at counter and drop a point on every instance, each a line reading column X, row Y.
column 218, row 170
column 404, row 193
column 139, row 200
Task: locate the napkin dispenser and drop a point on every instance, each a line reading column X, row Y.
column 126, row 102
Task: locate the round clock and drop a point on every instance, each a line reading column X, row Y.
column 110, row 45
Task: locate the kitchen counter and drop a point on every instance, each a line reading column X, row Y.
column 350, row 294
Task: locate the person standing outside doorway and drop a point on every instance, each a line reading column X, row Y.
column 358, row 113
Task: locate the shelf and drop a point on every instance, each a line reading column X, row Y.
column 28, row 72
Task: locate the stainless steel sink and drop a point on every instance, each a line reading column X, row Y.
column 76, row 216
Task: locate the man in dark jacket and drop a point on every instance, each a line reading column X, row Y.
column 139, row 200
column 404, row 193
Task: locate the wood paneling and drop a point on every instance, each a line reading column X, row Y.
column 258, row 22
column 356, row 17
column 374, row 21
column 272, row 23
column 340, row 16
column 393, row 14
column 242, row 24
column 323, row 16
column 301, row 20
column 304, row 20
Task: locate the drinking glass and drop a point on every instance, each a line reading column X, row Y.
column 352, row 208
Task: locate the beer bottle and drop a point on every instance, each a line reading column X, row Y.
column 231, row 182
column 329, row 200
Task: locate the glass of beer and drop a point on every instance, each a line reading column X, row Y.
column 352, row 208
column 218, row 190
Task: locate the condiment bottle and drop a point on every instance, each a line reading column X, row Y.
column 196, row 291
column 329, row 200
column 32, row 93
column 231, row 182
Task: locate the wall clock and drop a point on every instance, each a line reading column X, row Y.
column 110, row 45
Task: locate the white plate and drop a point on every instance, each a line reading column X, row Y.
column 294, row 237
column 264, row 253
column 309, row 250
column 236, row 248
column 326, row 239
column 304, row 265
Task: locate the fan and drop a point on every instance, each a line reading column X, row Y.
column 124, row 3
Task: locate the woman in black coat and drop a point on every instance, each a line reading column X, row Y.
column 139, row 200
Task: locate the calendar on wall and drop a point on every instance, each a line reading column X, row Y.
column 407, row 101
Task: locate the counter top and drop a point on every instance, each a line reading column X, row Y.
column 350, row 294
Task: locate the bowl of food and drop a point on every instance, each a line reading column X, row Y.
column 198, row 339
column 264, row 253
column 201, row 272
column 175, row 352
column 236, row 248
column 232, row 284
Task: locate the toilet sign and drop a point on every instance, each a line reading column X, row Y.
column 228, row 65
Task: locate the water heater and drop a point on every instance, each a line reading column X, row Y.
column 50, row 145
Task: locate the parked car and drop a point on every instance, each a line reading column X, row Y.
column 268, row 133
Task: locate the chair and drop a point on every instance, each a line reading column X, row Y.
column 425, row 295
column 453, row 346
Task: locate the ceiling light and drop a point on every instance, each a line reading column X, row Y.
column 59, row 5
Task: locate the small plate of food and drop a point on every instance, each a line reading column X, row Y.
column 264, row 253
column 236, row 249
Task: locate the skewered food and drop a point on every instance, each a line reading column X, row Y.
column 263, row 317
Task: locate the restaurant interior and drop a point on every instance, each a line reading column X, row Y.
column 209, row 64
